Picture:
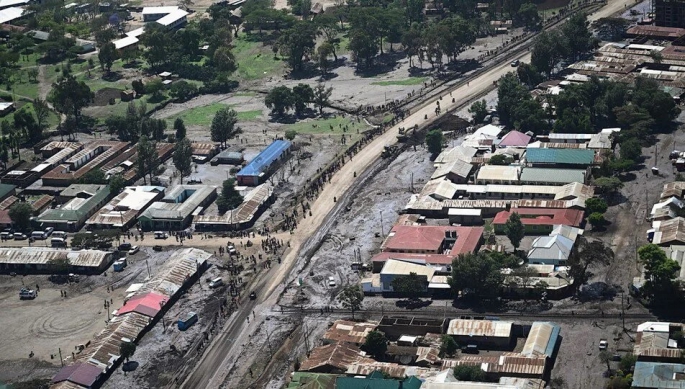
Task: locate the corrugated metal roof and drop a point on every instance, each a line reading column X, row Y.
column 349, row 331
column 265, row 158
column 393, row 370
column 125, row 206
column 498, row 173
column 42, row 255
column 76, row 209
column 457, row 153
column 474, row 328
column 541, row 340
column 552, row 176
column 180, row 266
column 507, row 363
column 396, row 267
column 659, row 375
column 560, row 156
column 459, row 168
column 244, row 213
column 339, row 356
column 169, row 209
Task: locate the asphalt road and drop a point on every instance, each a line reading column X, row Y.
column 214, row 365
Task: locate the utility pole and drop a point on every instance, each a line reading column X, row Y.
column 382, row 233
column 60, row 356
column 306, row 337
column 149, row 275
column 623, row 313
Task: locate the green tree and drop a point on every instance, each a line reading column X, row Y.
column 547, row 51
column 627, row 362
column 479, row 110
column 376, row 344
column 183, row 157
column 596, row 219
column 500, row 159
column 302, row 96
column 578, row 37
column 279, row 100
column 147, row 157
column 127, row 349
column 224, row 60
column 515, row 230
column 529, row 16
column 321, row 97
column 324, row 51
column 69, row 97
column 529, row 75
column 660, row 274
column 230, row 198
column 587, row 253
column 434, row 141
column 155, row 88
column 448, row 346
column 595, row 204
column 224, row 126
column 631, row 150
column 20, row 213
column 605, row 357
column 42, row 111
column 93, row 177
column 180, row 129
column 297, row 42
column 160, row 44
column 351, row 298
column 608, row 185
column 611, row 29
column 182, row 90
column 469, row 373
column 477, row 275
column 290, row 134
column 117, row 183
column 107, row 55
column 510, row 94
column 411, row 285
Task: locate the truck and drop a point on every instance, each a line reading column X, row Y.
column 119, row 264
column 27, row 294
column 187, row 321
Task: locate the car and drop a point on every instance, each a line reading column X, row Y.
column 49, row 230
column 253, row 296
column 157, row 248
column 603, row 344
column 215, row 283
column 133, row 250
column 470, row 349
column 331, row 282
column 125, row 246
column 19, row 236
column 515, row 63
column 161, row 235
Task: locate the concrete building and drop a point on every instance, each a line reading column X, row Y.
column 669, row 13
column 546, row 176
column 488, row 334
column 151, row 14
column 550, row 250
column 395, row 327
column 244, row 216
column 44, row 260
column 76, row 165
column 265, row 163
column 656, row 342
column 82, row 201
column 498, row 175
column 457, row 171
column 344, row 331
column 433, row 240
column 176, row 210
column 656, row 375
column 562, row 158
column 540, row 220
column 123, row 210
column 392, row 268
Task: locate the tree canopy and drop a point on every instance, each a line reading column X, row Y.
column 376, row 344
column 478, row 276
column 351, row 298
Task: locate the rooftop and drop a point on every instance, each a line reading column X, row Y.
column 393, row 266
column 179, row 202
column 83, row 374
column 659, row 375
column 93, row 156
column 339, row 356
column 669, row 231
column 490, row 328
column 126, row 205
column 9, row 14
column 41, row 255
column 543, row 216
column 551, row 247
column 265, row 158
column 541, row 340
column 148, row 304
column 507, row 363
column 349, row 331
column 432, row 259
column 77, row 208
column 459, row 168
column 159, row 10
column 172, row 17
column 245, row 212
column 554, row 176
column 498, row 173
column 560, row 156
column 430, row 238
column 514, row 139
column 457, row 153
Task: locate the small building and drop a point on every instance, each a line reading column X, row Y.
column 465, row 216
column 8, row 15
column 542, row 340
column 203, row 152
column 228, row 157
column 457, row 153
column 377, row 380
column 344, row 331
column 264, row 163
column 122, row 211
column 13, row 3
column 458, row 171
column 550, row 250
column 6, row 108
column 547, row 176
column 44, row 260
column 658, row 375
column 243, row 216
column 151, row 14
column 568, row 158
column 514, row 139
column 176, row 210
column 668, row 232
column 499, row 175
column 174, row 19
column 395, row 327
column 7, row 190
column 393, row 269
column 540, row 220
column 433, row 240
column 656, row 342
column 82, row 374
column 489, row 334
column 73, row 214
column 333, row 358
column 126, row 43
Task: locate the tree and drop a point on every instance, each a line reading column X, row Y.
column 488, row 232
column 224, row 60
column 595, row 204
column 620, row 382
column 297, row 42
column 448, row 346
column 479, row 110
column 631, row 150
column 477, row 275
column 434, row 141
column 608, row 185
column 224, row 126
column 510, row 94
column 93, row 177
column 500, row 159
column 155, row 88
column 469, row 373
column 587, row 253
column 656, row 56
column 302, row 95
column 351, row 298
column 127, row 349
column 322, row 53
column 279, row 100
column 660, row 274
column 596, row 219
column 20, row 213
column 548, row 50
column 107, row 55
column 183, row 157
column 611, row 29
column 376, row 344
column 60, row 265
column 42, row 112
column 290, row 134
column 411, row 285
column 627, row 362
column 529, row 75
column 117, row 183
column 230, row 198
column 321, row 97
column 578, row 38
column 529, row 16
column 515, row 230
column 523, row 276
column 180, row 129
column 605, row 357
column 160, row 44
column 147, row 156
column 69, row 97
column 182, row 90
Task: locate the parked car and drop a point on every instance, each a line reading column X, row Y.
column 157, row 248
column 25, row 293
column 48, row 231
column 470, row 349
column 603, row 344
column 253, row 296
column 161, row 235
column 215, row 283
column 133, row 250
column 125, row 246
column 515, row 63
column 19, row 236
column 331, row 282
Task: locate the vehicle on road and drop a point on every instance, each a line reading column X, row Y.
column 470, row 349
column 133, row 250
column 157, row 248
column 59, row 234
column 125, row 246
column 603, row 344
column 215, row 283
column 58, row 242
column 40, row 235
column 515, row 63
column 25, row 294
column 48, row 231
column 253, row 296
column 161, row 235
column 331, row 282
column 19, row 236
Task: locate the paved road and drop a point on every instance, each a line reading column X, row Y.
column 213, row 367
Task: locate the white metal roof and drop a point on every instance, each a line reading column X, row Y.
column 491, row 328
column 9, row 14
column 159, row 10
column 137, row 32
column 393, row 266
column 11, row 3
column 653, row 326
column 172, row 17
column 498, row 173
column 464, row 212
column 645, row 47
column 125, row 42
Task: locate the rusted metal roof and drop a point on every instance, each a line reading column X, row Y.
column 180, row 266
column 93, row 156
column 244, row 213
column 57, row 145
column 393, row 370
column 349, row 331
column 673, row 189
column 507, row 363
column 474, row 328
column 103, row 351
column 335, row 356
column 42, row 255
column 203, row 148
column 541, row 340
column 428, row 355
column 8, row 202
column 42, row 202
column 66, row 385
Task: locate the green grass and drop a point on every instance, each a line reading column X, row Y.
column 202, row 116
column 52, row 121
column 324, row 126
column 405, row 82
column 254, row 60
column 28, row 89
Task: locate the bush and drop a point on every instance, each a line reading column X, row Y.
column 596, row 219
column 469, row 373
column 112, row 101
column 183, row 90
column 595, row 205
column 138, row 87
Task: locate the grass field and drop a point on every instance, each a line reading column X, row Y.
column 202, row 116
column 53, row 119
column 254, row 60
column 405, row 82
column 328, row 126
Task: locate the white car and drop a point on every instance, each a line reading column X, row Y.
column 133, row 250
column 331, row 282
column 603, row 344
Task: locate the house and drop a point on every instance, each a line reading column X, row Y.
column 8, row 15
column 396, row 327
column 83, row 374
column 243, row 216
column 667, row 232
column 542, row 340
column 673, row 189
column 457, row 153
column 550, row 250
column 265, row 163
column 656, row 342
column 495, row 174
column 151, row 14
column 555, row 281
column 123, row 210
column 547, row 176
column 84, row 201
column 41, row 260
column 483, row 138
column 667, row 209
column 490, row 334
column 540, row 220
column 344, row 331
column 6, row 108
column 658, row 375
column 514, row 139
column 75, row 164
column 377, row 380
column 563, row 158
column 458, row 171
column 674, row 252
column 381, row 283
column 175, row 19
column 228, row 157
column 433, row 240
column 333, row 358
column 176, row 210
column 440, row 189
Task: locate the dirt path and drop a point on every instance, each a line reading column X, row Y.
column 43, row 84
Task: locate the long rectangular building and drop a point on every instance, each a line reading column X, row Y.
column 176, row 210
column 121, row 212
column 264, row 163
column 93, row 156
column 47, row 260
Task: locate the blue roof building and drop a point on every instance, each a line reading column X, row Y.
column 260, row 166
column 560, row 157
column 659, row 375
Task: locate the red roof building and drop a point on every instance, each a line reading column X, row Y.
column 514, row 139
column 433, row 240
column 83, row 374
column 540, row 220
column 148, row 304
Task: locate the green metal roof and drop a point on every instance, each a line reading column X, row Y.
column 84, row 209
column 375, row 382
column 560, row 156
column 306, row 380
column 5, row 189
column 556, row 176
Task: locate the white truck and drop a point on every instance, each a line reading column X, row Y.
column 26, row 293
